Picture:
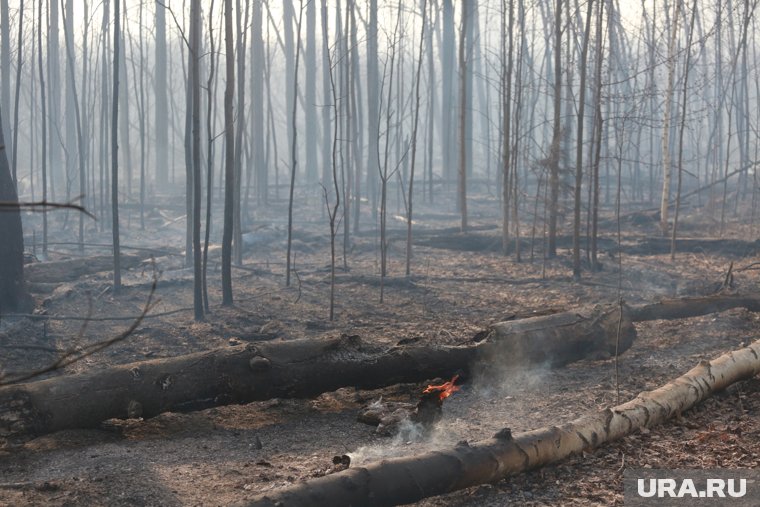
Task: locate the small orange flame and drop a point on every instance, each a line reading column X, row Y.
column 444, row 390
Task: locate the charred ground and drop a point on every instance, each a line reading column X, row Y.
column 458, row 287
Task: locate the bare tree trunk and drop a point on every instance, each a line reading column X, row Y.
column 258, row 118
column 462, row 190
column 383, row 168
column 242, row 24
column 5, row 65
column 326, row 95
column 332, row 211
column 448, row 99
column 554, row 150
column 293, row 146
column 682, row 128
column 54, row 103
column 19, row 64
column 44, row 131
column 161, row 111
column 418, row 80
column 310, row 93
column 115, row 150
column 579, row 147
column 666, row 176
column 12, row 292
column 597, row 142
column 229, row 154
column 357, row 144
column 68, row 135
column 195, row 90
column 432, row 91
column 373, row 110
column 210, row 128
column 77, row 130
column 507, row 122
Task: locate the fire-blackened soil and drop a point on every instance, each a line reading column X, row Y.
column 227, row 454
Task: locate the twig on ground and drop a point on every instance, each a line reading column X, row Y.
column 77, row 354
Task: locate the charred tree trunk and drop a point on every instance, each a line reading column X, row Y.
column 293, row 369
column 693, row 306
column 229, row 157
column 408, row 479
column 115, row 151
column 12, row 292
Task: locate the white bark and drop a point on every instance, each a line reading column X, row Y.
column 488, row 461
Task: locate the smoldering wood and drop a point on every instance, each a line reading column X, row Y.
column 296, row 369
column 412, row 478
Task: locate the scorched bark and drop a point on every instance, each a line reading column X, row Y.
column 409, row 479
column 294, row 369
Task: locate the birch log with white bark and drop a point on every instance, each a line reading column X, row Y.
column 409, row 479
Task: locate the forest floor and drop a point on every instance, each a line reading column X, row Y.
column 222, row 455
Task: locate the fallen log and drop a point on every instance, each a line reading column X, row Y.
column 683, row 308
column 293, row 369
column 70, row 270
column 409, row 479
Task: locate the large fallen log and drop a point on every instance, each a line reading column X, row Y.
column 405, row 480
column 683, row 308
column 71, row 269
column 294, row 369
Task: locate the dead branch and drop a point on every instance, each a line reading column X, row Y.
column 74, row 355
column 44, row 206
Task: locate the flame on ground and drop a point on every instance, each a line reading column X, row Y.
column 444, row 390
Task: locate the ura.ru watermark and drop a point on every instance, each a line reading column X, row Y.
column 647, row 487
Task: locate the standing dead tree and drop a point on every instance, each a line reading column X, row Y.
column 229, row 156
column 666, row 169
column 293, row 146
column 418, row 80
column 115, row 150
column 332, row 210
column 462, row 180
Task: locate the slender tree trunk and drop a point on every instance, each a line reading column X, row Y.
column 294, row 145
column 258, row 118
column 195, row 87
column 682, row 128
column 115, row 150
column 432, row 91
column 507, row 122
column 54, row 102
column 12, row 292
column 5, row 66
column 44, row 154
column 666, row 172
column 161, row 110
column 237, row 241
column 418, row 80
column 462, row 190
column 310, row 93
column 579, row 147
column 210, row 128
column 19, row 64
column 326, row 95
column 597, row 142
column 373, row 110
column 357, row 143
column 77, row 130
column 229, row 156
column 554, row 150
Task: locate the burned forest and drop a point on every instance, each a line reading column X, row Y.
column 379, row 252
